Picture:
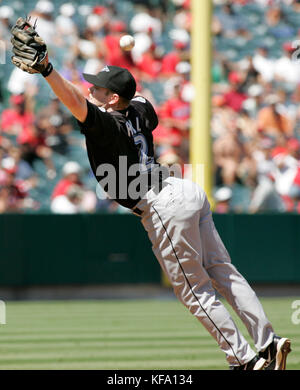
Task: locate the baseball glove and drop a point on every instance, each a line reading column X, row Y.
column 30, row 50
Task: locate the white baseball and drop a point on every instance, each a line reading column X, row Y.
column 127, row 42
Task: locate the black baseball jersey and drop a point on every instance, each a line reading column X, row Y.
column 117, row 143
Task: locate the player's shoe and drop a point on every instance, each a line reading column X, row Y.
column 276, row 353
column 257, row 363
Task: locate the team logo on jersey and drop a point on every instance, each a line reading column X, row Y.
column 139, row 99
column 105, row 69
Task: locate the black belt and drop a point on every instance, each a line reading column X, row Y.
column 137, row 211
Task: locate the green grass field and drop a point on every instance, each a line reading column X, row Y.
column 135, row 334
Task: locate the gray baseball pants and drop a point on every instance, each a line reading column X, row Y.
column 184, row 239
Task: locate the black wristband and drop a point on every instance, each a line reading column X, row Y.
column 48, row 70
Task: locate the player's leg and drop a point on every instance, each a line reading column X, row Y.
column 174, row 232
column 231, row 284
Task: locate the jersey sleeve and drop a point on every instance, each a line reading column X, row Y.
column 147, row 110
column 99, row 125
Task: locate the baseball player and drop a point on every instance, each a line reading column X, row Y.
column 175, row 212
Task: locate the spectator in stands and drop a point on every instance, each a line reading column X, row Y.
column 251, row 75
column 170, row 158
column 147, row 30
column 110, row 47
column 252, row 105
column 228, row 153
column 17, row 118
column 172, row 59
column 180, row 52
column 6, row 14
column 174, row 118
column 54, row 108
column 271, row 121
column 285, row 68
column 292, row 198
column 294, row 192
column 235, row 96
column 68, row 203
column 220, row 71
column 144, row 22
column 20, row 82
column 242, row 117
column 182, row 18
column 70, row 193
column 265, row 197
column 286, row 167
column 295, row 5
column 247, row 169
column 86, row 47
column 11, row 194
column 222, row 197
column 45, row 27
column 32, row 141
column 276, row 23
column 67, row 30
column 263, row 64
column 150, row 63
column 228, row 20
column 71, row 176
column 23, row 171
column 293, row 148
column 58, row 126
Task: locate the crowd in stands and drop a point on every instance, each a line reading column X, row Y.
column 255, row 103
column 255, row 100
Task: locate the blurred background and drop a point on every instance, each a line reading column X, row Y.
column 61, row 246
column 255, row 133
column 255, row 97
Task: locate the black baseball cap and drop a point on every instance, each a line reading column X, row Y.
column 115, row 78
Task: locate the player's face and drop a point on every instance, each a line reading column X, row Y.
column 100, row 96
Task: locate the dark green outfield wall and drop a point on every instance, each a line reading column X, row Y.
column 99, row 249
column 265, row 248
column 52, row 249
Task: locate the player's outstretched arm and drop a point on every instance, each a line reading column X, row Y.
column 68, row 94
column 31, row 55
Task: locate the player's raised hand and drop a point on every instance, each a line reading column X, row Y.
column 30, row 50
